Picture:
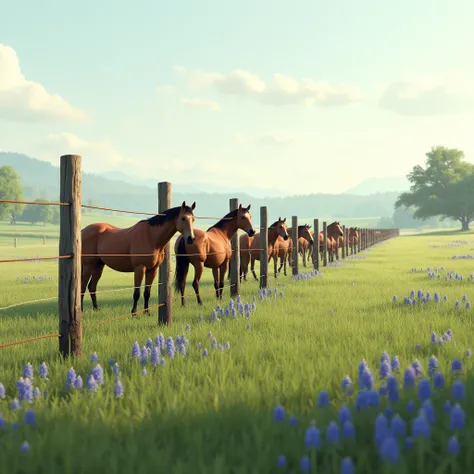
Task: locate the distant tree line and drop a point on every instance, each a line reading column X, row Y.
column 11, row 189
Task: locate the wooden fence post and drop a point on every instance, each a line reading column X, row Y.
column 69, row 269
column 263, row 247
column 44, row 240
column 316, row 244
column 359, row 241
column 294, row 238
column 235, row 258
column 346, row 241
column 15, row 242
column 325, row 244
column 164, row 272
column 343, row 252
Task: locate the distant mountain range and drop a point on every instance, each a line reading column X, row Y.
column 41, row 179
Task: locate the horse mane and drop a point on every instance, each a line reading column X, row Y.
column 167, row 215
column 274, row 224
column 220, row 224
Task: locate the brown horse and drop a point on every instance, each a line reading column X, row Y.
column 138, row 249
column 284, row 249
column 353, row 238
column 211, row 249
column 250, row 247
column 334, row 231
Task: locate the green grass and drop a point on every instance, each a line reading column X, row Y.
column 214, row 414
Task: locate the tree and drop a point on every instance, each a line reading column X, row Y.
column 384, row 223
column 10, row 188
column 38, row 213
column 444, row 188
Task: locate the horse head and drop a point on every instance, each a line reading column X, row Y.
column 185, row 222
column 282, row 229
column 305, row 232
column 244, row 220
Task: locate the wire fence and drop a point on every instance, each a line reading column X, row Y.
column 120, row 255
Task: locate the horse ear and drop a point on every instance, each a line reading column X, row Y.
column 193, row 206
column 309, row 227
column 183, row 206
column 248, row 208
column 240, row 207
column 279, row 218
column 284, row 220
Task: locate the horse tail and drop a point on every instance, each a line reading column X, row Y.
column 182, row 266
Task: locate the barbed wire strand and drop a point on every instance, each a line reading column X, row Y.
column 9, row 344
column 35, row 259
column 39, row 203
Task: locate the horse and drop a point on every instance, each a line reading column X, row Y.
column 211, row 249
column 284, row 249
column 138, row 249
column 353, row 238
column 250, row 247
column 333, row 231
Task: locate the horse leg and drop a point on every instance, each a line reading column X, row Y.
column 198, row 271
column 304, row 257
column 92, row 287
column 275, row 261
column 215, row 274
column 222, row 269
column 150, row 276
column 252, row 266
column 86, row 274
column 138, row 278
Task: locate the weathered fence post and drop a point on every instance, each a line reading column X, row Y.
column 44, row 240
column 359, row 240
column 294, row 238
column 263, row 247
column 15, row 242
column 325, row 244
column 164, row 273
column 235, row 258
column 346, row 241
column 316, row 244
column 69, row 269
column 343, row 252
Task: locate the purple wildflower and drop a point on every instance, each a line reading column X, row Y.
column 28, row 371
column 281, row 461
column 94, row 358
column 332, row 433
column 409, row 378
column 457, row 418
column 421, row 427
column 323, row 399
column 92, row 384
column 78, row 383
column 313, row 438
column 70, row 379
column 390, row 450
column 458, row 391
column 347, row 466
column 43, row 371
column 279, row 413
column 30, row 418
column 25, row 447
column 424, row 389
column 136, row 350
column 453, row 446
column 98, row 373
column 170, row 349
column 118, row 388
column 2, row 391
column 438, row 380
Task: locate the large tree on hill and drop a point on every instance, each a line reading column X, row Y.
column 445, row 187
column 11, row 189
column 37, row 213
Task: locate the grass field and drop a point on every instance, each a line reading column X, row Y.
column 215, row 414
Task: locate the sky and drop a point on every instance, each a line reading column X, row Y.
column 302, row 96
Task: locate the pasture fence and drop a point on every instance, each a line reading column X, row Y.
column 71, row 328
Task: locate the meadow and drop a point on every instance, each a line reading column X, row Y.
column 258, row 393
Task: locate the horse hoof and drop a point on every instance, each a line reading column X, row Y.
column 96, row 308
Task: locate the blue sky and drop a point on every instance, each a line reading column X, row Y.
column 301, row 96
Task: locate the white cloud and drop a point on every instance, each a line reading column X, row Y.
column 196, row 103
column 97, row 156
column 23, row 100
column 276, row 138
column 281, row 90
column 165, row 89
column 424, row 95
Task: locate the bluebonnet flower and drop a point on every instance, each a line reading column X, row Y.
column 281, row 461
column 468, row 305
column 347, row 466
column 424, row 389
column 43, row 371
column 395, row 364
column 398, row 426
column 170, row 349
column 381, row 429
column 78, row 382
column 344, row 414
column 214, row 343
column 149, row 344
column 313, row 438
column 116, row 369
column 385, row 369
column 94, row 358
column 323, row 399
column 417, row 366
column 421, row 427
column 144, row 373
column 30, row 418
column 457, row 418
column 447, row 406
column 373, row 398
column 28, row 371
column 409, row 442
column 205, row 353
column 458, row 391
column 456, row 366
column 468, row 353
column 293, row 420
column 438, row 380
column 362, row 400
column 432, row 365
column 2, row 391
column 384, row 357
column 305, row 464
column 346, row 385
column 98, row 373
column 332, row 433
column 348, row 430
column 160, row 341
column 155, row 356
column 409, row 378
column 3, row 423
column 111, row 362
column 118, row 388
column 411, row 406
column 25, row 447
column 143, row 355
column 227, row 345
column 383, row 390
column 428, row 411
column 15, row 404
column 136, row 350
column 388, row 412
column 279, row 413
column 392, row 387
column 389, row 450
column 92, row 384
column 25, row 390
column 453, row 446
